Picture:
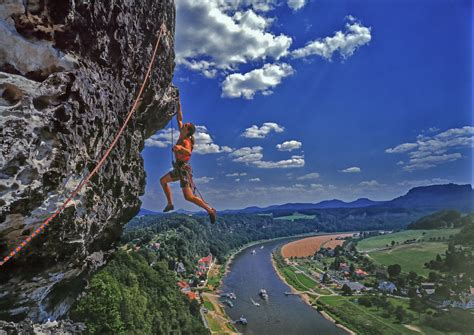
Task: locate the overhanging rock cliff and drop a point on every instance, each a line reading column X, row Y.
column 69, row 71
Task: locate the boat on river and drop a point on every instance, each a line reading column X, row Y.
column 242, row 320
column 263, row 294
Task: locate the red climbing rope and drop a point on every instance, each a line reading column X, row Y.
column 97, row 167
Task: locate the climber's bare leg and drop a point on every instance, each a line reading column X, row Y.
column 166, row 188
column 189, row 196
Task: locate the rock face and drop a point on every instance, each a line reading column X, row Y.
column 69, row 71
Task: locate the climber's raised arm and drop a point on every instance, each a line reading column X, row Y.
column 179, row 115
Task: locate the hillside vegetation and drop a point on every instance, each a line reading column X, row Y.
column 441, row 219
column 129, row 296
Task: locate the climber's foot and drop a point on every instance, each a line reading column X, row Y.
column 213, row 215
column 168, row 208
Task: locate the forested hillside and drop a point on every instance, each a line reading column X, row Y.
column 442, row 219
column 129, row 296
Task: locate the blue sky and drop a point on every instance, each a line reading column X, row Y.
column 310, row 100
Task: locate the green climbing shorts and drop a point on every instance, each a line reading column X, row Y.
column 183, row 172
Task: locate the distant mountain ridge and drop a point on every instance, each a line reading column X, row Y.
column 447, row 196
column 335, row 203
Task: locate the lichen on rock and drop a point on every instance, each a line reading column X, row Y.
column 69, row 72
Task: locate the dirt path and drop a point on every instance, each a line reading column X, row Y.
column 414, row 328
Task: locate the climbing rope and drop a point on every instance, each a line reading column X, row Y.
column 86, row 180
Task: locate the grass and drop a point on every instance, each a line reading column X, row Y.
column 382, row 241
column 411, row 257
column 370, row 320
column 297, row 280
column 213, row 324
column 295, row 216
column 361, row 319
column 215, row 276
column 209, row 305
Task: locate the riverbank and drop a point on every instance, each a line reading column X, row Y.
column 305, row 296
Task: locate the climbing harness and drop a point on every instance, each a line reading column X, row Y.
column 86, row 180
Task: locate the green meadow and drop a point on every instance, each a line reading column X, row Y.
column 382, row 241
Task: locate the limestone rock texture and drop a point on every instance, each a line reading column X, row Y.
column 69, row 73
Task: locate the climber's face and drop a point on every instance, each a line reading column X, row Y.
column 185, row 129
column 188, row 129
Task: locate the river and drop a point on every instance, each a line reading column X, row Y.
column 280, row 314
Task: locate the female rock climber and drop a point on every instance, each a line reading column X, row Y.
column 182, row 169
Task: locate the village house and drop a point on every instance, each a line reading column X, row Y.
column 354, row 286
column 465, row 301
column 428, row 288
column 180, row 268
column 328, row 252
column 184, row 287
column 205, row 263
column 344, row 267
column 360, row 273
column 386, row 287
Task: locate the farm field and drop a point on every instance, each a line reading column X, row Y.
column 308, row 246
column 295, row 216
column 411, row 257
column 382, row 241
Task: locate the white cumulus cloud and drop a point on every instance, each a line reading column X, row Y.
column 317, row 187
column 261, row 132
column 436, row 149
column 353, row 169
column 370, row 184
column 345, row 43
column 247, row 154
column 202, row 180
column 254, row 156
column 254, row 180
column 293, row 162
column 225, row 34
column 289, row 145
column 309, row 176
column 245, row 85
column 296, row 4
column 236, row 174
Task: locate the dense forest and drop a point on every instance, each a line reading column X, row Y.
column 128, row 296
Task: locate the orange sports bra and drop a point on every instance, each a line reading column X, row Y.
column 188, row 144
